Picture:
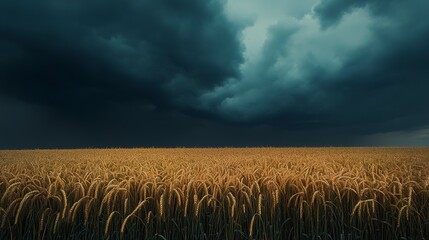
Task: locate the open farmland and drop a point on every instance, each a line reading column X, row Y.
column 227, row 193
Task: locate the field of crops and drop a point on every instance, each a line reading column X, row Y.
column 250, row 193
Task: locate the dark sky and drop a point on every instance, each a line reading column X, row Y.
column 166, row 73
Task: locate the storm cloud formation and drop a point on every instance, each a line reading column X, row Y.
column 213, row 73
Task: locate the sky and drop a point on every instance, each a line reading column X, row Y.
column 213, row 73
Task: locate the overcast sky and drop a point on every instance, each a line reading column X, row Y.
column 165, row 73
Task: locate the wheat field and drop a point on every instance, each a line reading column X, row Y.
column 226, row 193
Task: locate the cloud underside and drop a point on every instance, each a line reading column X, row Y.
column 346, row 69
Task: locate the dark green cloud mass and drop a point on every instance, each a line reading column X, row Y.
column 213, row 73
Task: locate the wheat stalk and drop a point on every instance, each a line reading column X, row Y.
column 21, row 204
column 65, row 203
column 132, row 214
column 109, row 219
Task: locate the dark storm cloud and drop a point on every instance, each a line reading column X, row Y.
column 75, row 55
column 330, row 12
column 369, row 73
column 383, row 86
column 165, row 73
column 130, row 126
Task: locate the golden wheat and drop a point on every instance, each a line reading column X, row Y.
column 269, row 193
